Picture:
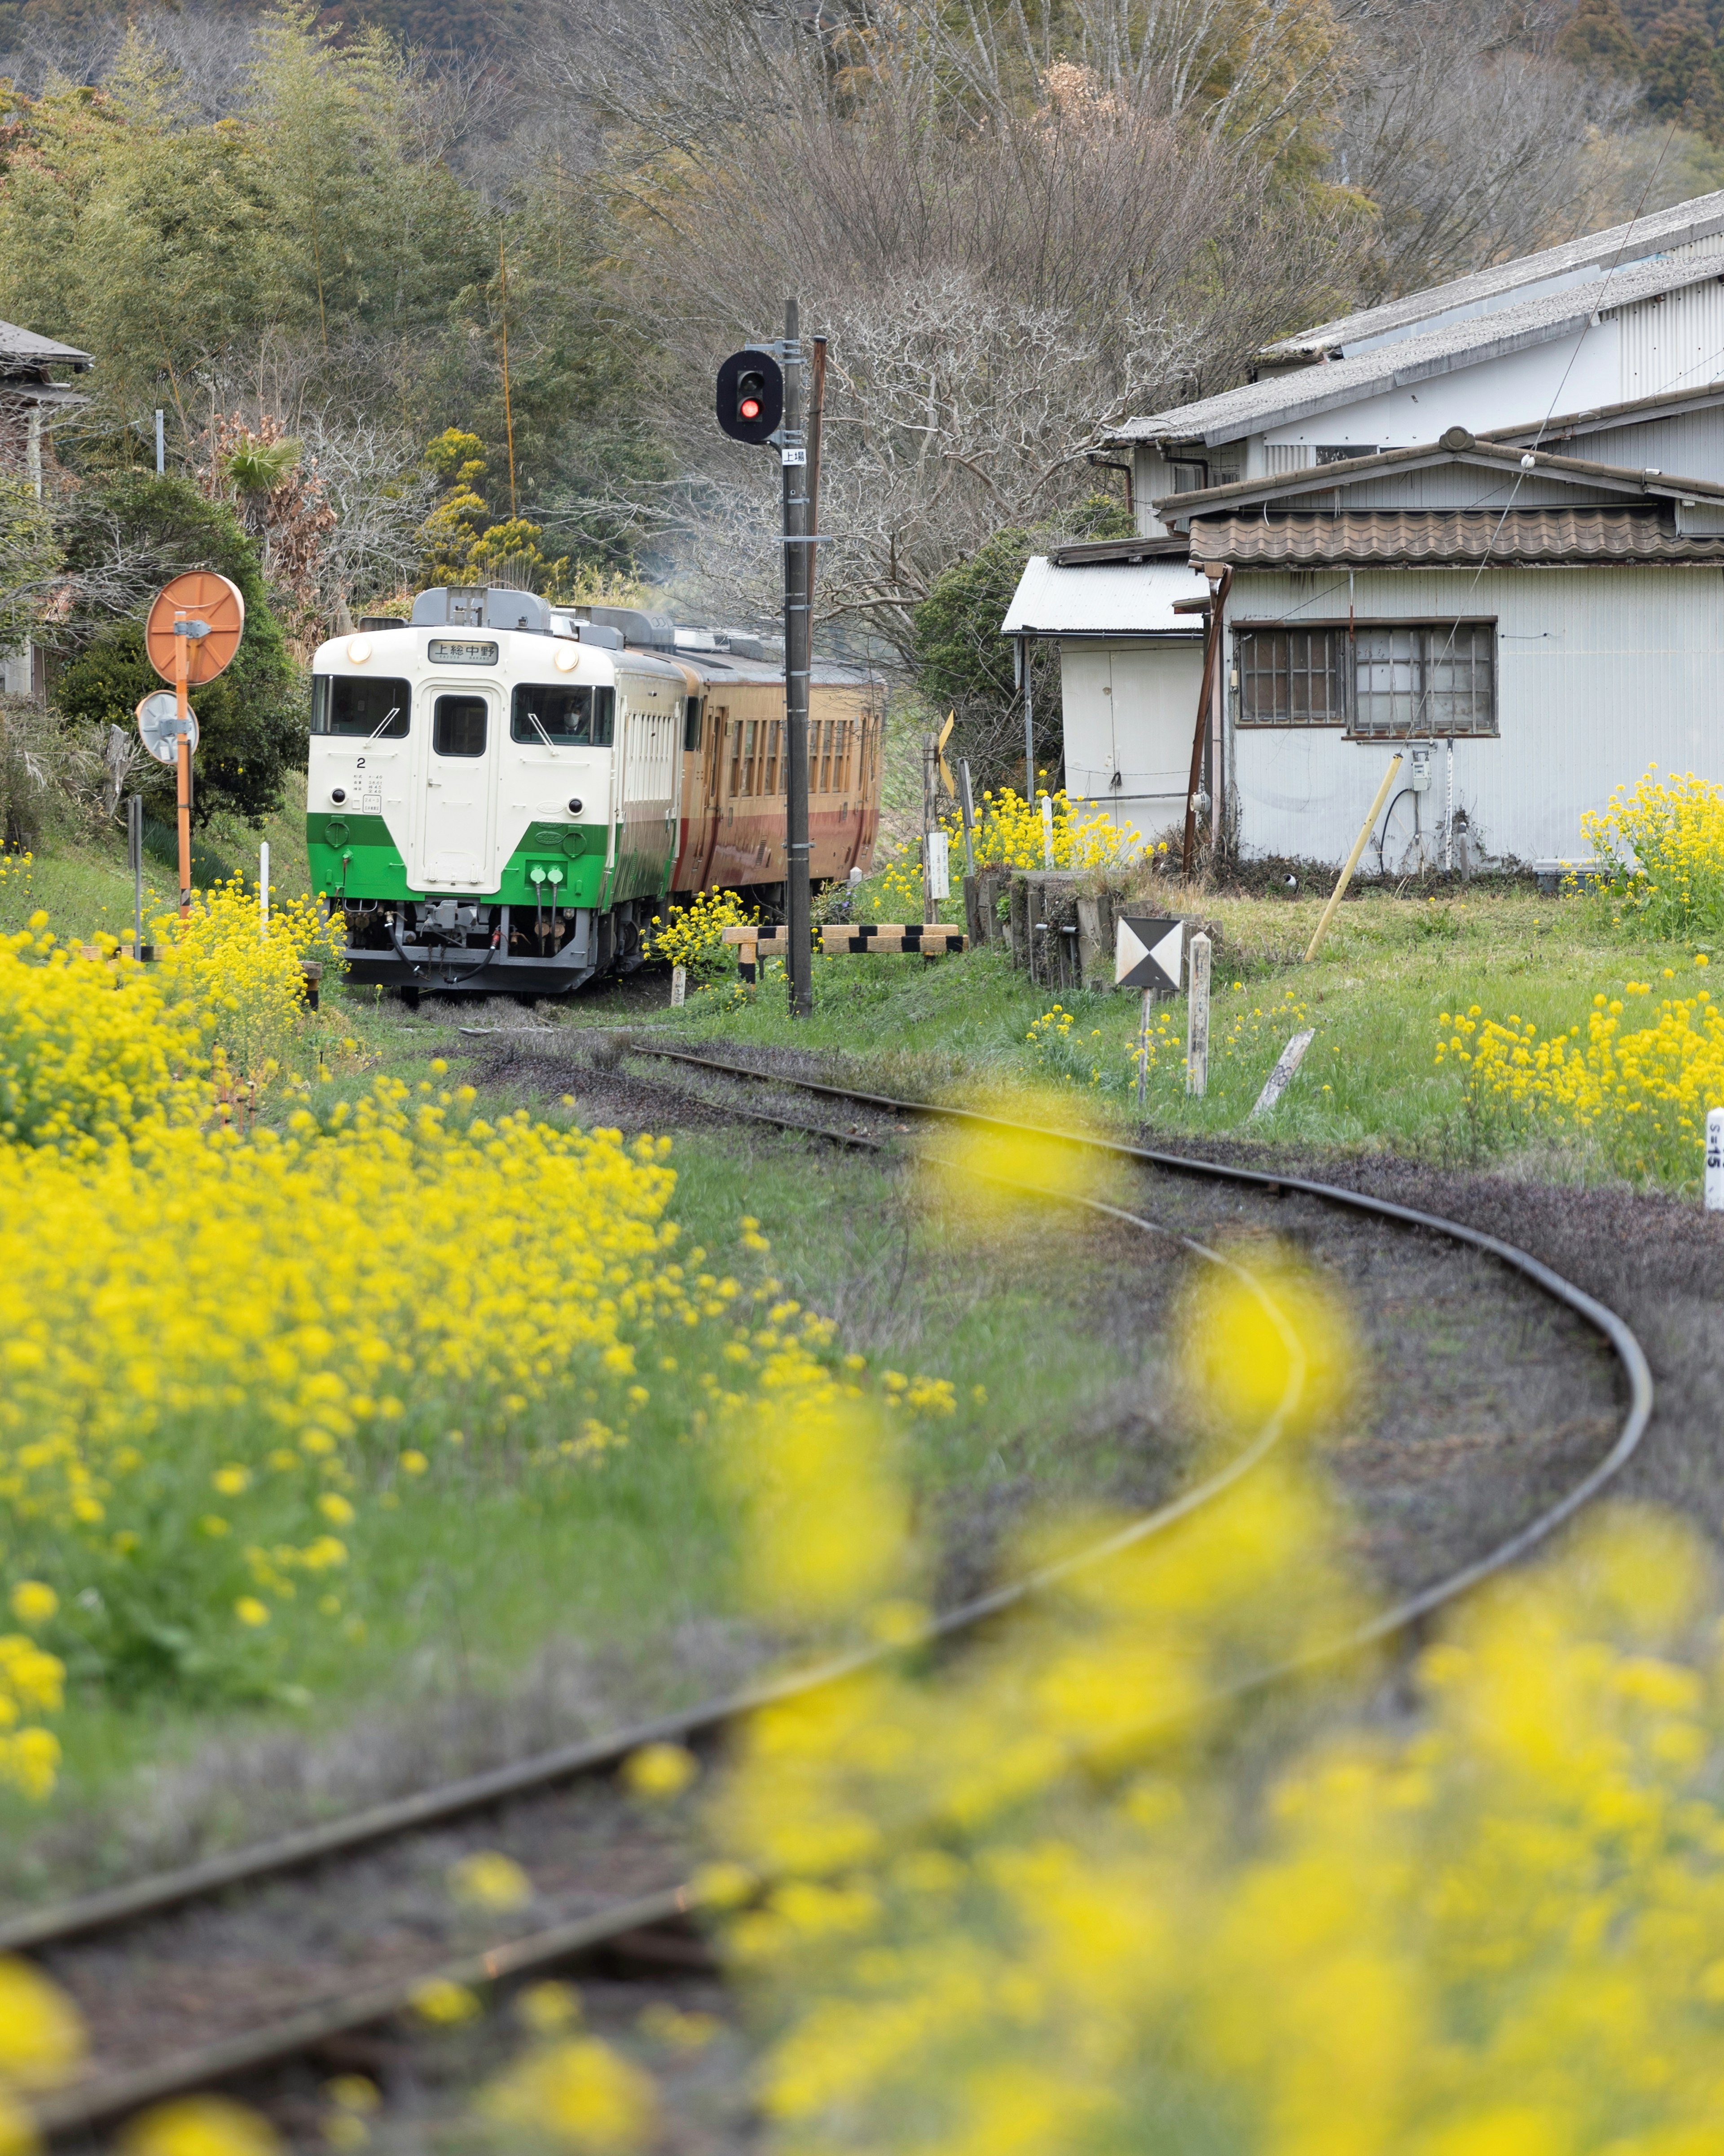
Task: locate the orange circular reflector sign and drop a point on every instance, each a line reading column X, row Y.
column 214, row 615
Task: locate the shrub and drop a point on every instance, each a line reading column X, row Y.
column 1663, row 848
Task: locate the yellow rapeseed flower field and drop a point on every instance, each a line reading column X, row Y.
column 1662, row 845
column 1641, row 1091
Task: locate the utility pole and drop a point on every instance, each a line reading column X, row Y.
column 799, row 583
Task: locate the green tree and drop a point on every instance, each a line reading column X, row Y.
column 251, row 719
column 1596, row 37
column 1680, row 74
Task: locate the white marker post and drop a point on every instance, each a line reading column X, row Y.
column 263, row 889
column 1281, row 1077
column 1196, row 1020
column 1047, row 832
column 1143, row 1050
column 1714, row 1160
column 678, row 986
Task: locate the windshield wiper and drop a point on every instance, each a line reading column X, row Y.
column 543, row 735
column 389, row 719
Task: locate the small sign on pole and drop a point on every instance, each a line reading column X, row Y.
column 1196, row 1021
column 967, row 802
column 939, row 865
column 1714, row 1160
column 193, row 630
column 1147, row 953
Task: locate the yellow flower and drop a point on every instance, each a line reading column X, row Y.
column 577, row 2094
column 250, row 1611
column 487, row 1879
column 659, row 1770
column 200, row 2126
column 33, row 1603
column 443, row 2004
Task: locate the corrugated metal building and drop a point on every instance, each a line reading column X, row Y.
column 1483, row 524
column 1130, row 671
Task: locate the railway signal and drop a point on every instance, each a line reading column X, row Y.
column 750, row 396
column 194, row 627
column 758, row 402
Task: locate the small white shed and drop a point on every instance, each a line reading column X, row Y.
column 1130, row 672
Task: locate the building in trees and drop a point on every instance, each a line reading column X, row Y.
column 29, row 395
column 1483, row 524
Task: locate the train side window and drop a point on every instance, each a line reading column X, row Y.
column 369, row 709
column 457, row 725
column 748, row 757
column 841, row 775
column 826, row 758
column 691, row 724
column 773, row 738
column 735, row 756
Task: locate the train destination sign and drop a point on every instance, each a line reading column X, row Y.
column 1148, row 952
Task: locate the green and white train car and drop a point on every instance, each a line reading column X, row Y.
column 493, row 795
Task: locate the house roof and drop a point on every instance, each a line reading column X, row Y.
column 1420, row 538
column 1281, row 399
column 1576, row 263
column 1598, row 418
column 1105, row 599
column 21, row 347
column 1456, row 447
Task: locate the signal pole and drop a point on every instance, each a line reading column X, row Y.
column 797, row 645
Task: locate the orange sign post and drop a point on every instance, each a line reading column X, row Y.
column 195, row 624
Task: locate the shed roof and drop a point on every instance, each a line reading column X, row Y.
column 1422, row 538
column 1457, row 447
column 1106, row 599
column 1303, row 392
column 1582, row 261
column 22, row 347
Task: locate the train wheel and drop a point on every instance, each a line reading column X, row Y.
column 410, row 997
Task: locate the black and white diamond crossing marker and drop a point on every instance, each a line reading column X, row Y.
column 1147, row 953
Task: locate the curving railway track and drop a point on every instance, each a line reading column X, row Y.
column 151, row 1960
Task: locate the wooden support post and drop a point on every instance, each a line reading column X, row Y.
column 1353, row 858
column 1196, row 1020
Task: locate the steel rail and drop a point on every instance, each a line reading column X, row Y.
column 100, row 2101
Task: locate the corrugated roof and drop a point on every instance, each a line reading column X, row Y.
column 1103, row 600
column 1456, row 447
column 1417, row 538
column 23, row 347
column 1281, row 399
column 1586, row 259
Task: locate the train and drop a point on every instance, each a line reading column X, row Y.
column 503, row 792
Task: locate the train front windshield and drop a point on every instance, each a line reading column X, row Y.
column 562, row 715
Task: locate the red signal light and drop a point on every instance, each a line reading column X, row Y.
column 751, row 408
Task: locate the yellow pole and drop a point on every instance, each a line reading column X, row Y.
column 1353, row 858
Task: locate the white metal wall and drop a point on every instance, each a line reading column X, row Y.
column 1129, row 708
column 1676, row 343
column 1601, row 672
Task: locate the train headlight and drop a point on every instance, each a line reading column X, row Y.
column 359, row 650
column 565, row 659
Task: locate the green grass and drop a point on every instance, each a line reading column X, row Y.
column 1374, row 994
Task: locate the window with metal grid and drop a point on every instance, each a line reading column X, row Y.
column 1291, row 677
column 1431, row 681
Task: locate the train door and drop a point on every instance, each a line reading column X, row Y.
column 453, row 840
column 717, row 728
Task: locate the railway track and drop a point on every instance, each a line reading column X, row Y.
column 642, row 1909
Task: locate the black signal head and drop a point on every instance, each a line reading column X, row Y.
column 750, row 396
